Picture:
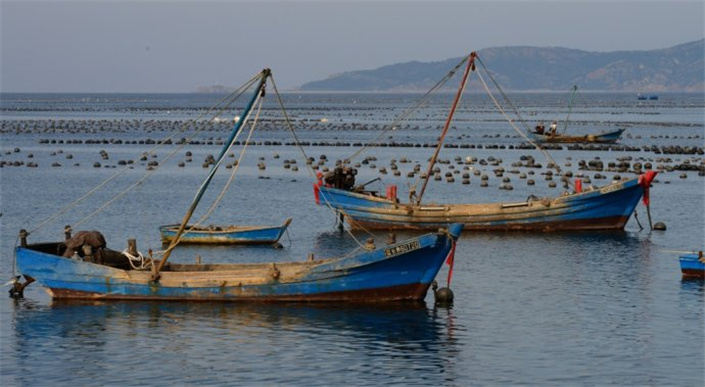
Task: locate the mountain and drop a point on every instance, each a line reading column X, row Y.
column 679, row 68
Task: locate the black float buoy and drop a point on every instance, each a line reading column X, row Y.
column 17, row 290
column 660, row 226
column 444, row 296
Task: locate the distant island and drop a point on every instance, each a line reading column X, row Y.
column 679, row 68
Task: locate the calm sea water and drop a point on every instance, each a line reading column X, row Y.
column 589, row 309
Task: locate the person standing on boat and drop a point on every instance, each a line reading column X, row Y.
column 552, row 130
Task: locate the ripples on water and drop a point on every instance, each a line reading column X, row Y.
column 531, row 308
column 221, row 344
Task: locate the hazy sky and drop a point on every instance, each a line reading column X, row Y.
column 176, row 46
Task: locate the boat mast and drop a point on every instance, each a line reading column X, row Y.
column 470, row 67
column 570, row 108
column 259, row 91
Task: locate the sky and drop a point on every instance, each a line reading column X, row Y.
column 176, row 46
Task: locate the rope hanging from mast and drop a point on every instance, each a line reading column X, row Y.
column 230, row 99
column 412, row 109
column 517, row 113
column 258, row 93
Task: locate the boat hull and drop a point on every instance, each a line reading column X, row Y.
column 398, row 272
column 692, row 265
column 607, row 208
column 229, row 235
column 601, row 138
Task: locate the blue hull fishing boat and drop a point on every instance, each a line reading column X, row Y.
column 82, row 267
column 605, row 208
column 396, row 272
column 225, row 235
column 599, row 138
column 693, row 265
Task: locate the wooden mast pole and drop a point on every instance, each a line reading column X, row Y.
column 470, row 67
column 266, row 73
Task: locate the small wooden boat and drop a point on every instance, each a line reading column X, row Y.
column 401, row 271
column 552, row 135
column 225, row 235
column 599, row 138
column 693, row 265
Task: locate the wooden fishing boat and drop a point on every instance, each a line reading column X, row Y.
column 693, row 265
column 395, row 272
column 225, row 235
column 83, row 267
column 552, row 135
column 606, row 208
column 608, row 137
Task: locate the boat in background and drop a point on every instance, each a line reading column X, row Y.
column 605, row 208
column 225, row 235
column 693, row 265
column 552, row 136
column 608, row 137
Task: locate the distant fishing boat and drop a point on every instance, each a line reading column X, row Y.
column 607, row 137
column 693, row 265
column 225, row 235
column 82, row 267
column 605, row 208
column 541, row 135
column 652, row 97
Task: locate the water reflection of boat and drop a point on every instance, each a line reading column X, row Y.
column 392, row 322
column 210, row 342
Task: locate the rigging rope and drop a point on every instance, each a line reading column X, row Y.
column 310, row 167
column 290, row 126
column 227, row 184
column 516, row 111
column 235, row 168
column 214, row 168
column 412, row 109
column 148, row 174
column 234, row 95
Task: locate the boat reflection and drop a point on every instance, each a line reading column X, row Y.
column 105, row 323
